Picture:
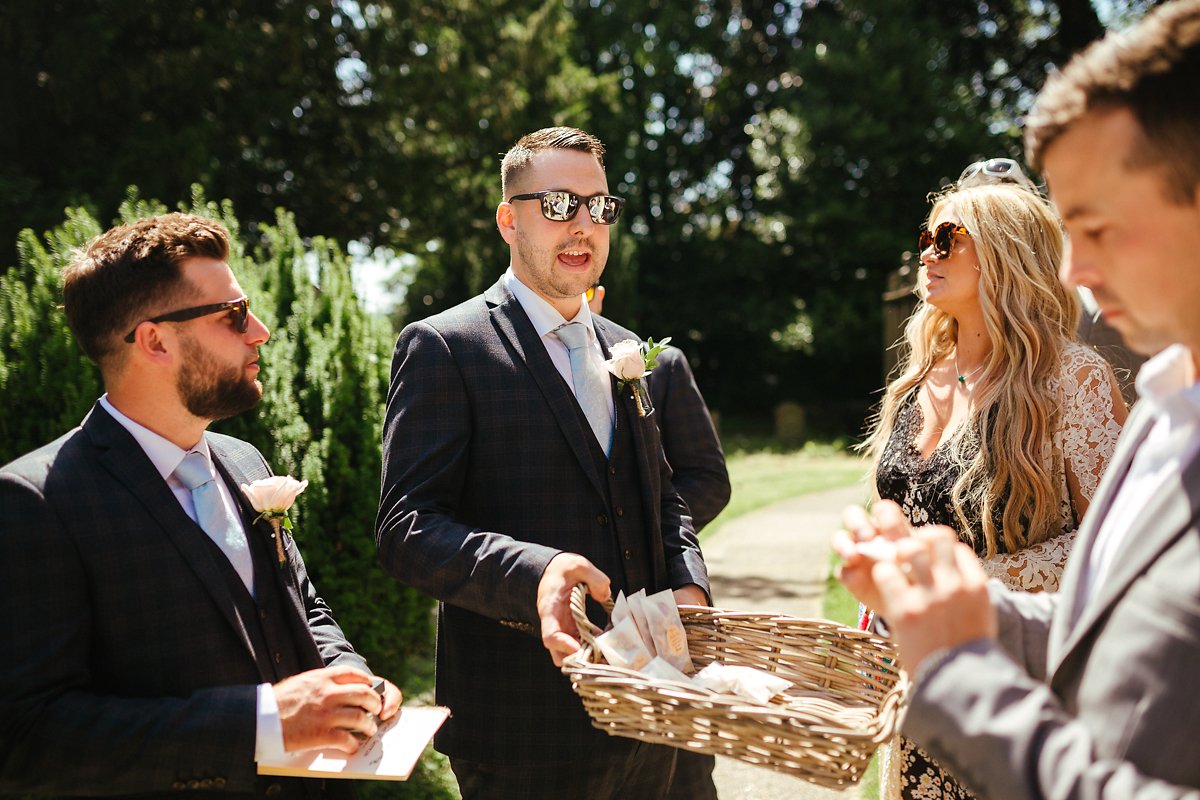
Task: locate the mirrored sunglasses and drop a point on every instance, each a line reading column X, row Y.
column 561, row 206
column 239, row 314
column 942, row 238
column 994, row 170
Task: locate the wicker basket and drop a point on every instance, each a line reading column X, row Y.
column 846, row 698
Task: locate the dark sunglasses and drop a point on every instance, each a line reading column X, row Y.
column 942, row 238
column 560, row 206
column 239, row 313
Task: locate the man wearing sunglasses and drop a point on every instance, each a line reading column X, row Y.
column 155, row 642
column 515, row 469
column 1089, row 692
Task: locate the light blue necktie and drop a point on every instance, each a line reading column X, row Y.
column 592, row 386
column 221, row 525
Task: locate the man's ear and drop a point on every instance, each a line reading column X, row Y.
column 149, row 343
column 506, row 222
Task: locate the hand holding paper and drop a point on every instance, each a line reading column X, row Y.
column 325, row 708
column 390, row 755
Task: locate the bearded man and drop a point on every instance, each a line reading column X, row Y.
column 157, row 640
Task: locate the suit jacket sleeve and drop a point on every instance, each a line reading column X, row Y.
column 689, row 439
column 56, row 734
column 1024, row 625
column 681, row 547
column 1005, row 733
column 335, row 649
column 426, row 438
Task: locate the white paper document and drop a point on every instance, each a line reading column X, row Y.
column 389, row 755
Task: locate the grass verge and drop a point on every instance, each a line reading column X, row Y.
column 761, row 477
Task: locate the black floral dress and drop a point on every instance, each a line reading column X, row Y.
column 1082, row 443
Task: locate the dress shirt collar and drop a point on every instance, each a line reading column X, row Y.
column 545, row 317
column 1165, row 382
column 164, row 454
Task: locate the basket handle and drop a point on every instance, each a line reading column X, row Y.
column 587, row 629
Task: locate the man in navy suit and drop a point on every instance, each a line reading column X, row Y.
column 156, row 642
column 698, row 472
column 514, row 468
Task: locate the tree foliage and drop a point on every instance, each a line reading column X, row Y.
column 776, row 154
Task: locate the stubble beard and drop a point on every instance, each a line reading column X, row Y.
column 540, row 261
column 212, row 391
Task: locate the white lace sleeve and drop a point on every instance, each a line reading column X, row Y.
column 1083, row 444
column 1088, row 430
column 1033, row 569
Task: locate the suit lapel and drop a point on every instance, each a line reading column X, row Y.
column 230, row 467
column 1164, row 519
column 127, row 462
column 626, row 414
column 514, row 325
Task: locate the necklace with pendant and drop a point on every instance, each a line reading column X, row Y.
column 962, row 376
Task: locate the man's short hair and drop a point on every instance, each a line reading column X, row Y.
column 1151, row 69
column 131, row 273
column 562, row 138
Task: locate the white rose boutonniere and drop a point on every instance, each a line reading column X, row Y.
column 271, row 498
column 631, row 361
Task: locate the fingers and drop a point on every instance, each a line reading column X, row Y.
column 323, row 708
column 871, row 535
column 934, row 595
column 355, row 719
column 858, row 523
column 392, row 698
column 560, row 646
column 858, row 581
column 890, row 521
column 563, row 573
column 347, row 675
column 599, row 586
column 843, row 544
column 914, row 560
column 338, row 739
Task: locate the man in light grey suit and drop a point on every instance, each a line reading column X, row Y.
column 1090, row 692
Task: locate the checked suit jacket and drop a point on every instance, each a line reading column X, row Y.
column 1095, row 702
column 489, row 472
column 129, row 667
column 689, row 438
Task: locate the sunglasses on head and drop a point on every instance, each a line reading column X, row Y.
column 942, row 238
column 994, row 170
column 561, row 206
column 239, row 313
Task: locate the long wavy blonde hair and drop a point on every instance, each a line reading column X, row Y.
column 1029, row 317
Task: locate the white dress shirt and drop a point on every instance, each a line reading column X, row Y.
column 165, row 456
column 1165, row 386
column 545, row 319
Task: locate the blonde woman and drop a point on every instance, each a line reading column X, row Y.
column 1000, row 424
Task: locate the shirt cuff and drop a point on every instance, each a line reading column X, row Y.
column 268, row 738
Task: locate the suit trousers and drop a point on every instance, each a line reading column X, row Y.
column 645, row 773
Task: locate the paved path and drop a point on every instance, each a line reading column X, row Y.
column 776, row 559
